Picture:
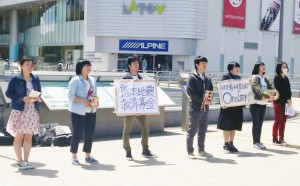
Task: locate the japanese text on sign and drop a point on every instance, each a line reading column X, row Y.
column 136, row 97
column 235, row 93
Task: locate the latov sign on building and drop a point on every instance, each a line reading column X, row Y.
column 136, row 97
column 143, row 7
column 144, row 45
column 235, row 93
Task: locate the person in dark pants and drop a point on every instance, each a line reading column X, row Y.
column 197, row 85
column 282, row 85
column 263, row 91
column 83, row 115
column 133, row 67
column 231, row 119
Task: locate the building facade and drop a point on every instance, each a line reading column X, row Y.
column 166, row 32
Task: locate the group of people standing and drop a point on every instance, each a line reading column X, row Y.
column 231, row 118
column 24, row 118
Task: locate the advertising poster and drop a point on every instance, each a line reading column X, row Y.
column 234, row 13
column 270, row 15
column 297, row 17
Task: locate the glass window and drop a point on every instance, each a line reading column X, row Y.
column 75, row 10
column 4, row 23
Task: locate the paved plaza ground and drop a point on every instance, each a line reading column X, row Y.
column 275, row 166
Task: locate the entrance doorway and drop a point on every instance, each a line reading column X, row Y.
column 148, row 62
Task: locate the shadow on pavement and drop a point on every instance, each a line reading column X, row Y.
column 47, row 173
column 96, row 167
column 293, row 147
column 244, row 154
column 149, row 162
column 218, row 160
column 285, row 152
column 6, row 157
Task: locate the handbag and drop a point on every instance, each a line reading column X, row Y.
column 289, row 110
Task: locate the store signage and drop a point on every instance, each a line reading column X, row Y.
column 143, row 7
column 234, row 14
column 144, row 45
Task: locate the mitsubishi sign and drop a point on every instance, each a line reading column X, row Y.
column 144, row 45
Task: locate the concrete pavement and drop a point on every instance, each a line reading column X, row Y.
column 275, row 166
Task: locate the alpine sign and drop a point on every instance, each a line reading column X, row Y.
column 144, row 45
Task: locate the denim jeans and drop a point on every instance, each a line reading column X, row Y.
column 258, row 115
column 83, row 124
column 128, row 122
column 198, row 124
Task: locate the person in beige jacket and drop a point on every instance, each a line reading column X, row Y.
column 264, row 92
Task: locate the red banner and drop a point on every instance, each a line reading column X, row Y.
column 297, row 17
column 234, row 13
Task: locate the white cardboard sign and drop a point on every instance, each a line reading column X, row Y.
column 235, row 92
column 136, row 97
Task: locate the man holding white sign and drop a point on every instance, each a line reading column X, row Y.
column 133, row 67
column 233, row 94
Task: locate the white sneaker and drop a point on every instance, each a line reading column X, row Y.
column 191, row 156
column 22, row 166
column 262, row 146
column 204, row 154
column 29, row 166
column 257, row 146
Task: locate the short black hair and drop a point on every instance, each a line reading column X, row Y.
column 256, row 67
column 199, row 59
column 79, row 65
column 232, row 64
column 278, row 67
column 131, row 59
column 24, row 59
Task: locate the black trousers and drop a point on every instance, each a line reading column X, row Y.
column 83, row 124
column 258, row 114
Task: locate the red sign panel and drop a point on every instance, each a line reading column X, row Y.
column 234, row 13
column 297, row 17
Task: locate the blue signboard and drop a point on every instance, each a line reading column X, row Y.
column 144, row 45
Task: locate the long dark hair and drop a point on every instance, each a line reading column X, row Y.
column 278, row 67
column 256, row 68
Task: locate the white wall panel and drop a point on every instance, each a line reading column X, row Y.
column 180, row 19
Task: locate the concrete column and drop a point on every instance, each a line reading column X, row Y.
column 13, row 36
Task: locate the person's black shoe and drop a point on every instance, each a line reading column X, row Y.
column 279, row 143
column 232, row 148
column 129, row 156
column 147, row 153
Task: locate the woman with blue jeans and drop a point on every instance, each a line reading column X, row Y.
column 83, row 115
column 261, row 87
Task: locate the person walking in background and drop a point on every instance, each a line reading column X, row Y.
column 24, row 118
column 83, row 115
column 282, row 85
column 263, row 91
column 231, row 119
column 197, row 85
column 133, row 67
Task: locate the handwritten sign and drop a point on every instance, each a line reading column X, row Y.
column 235, row 93
column 136, row 97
